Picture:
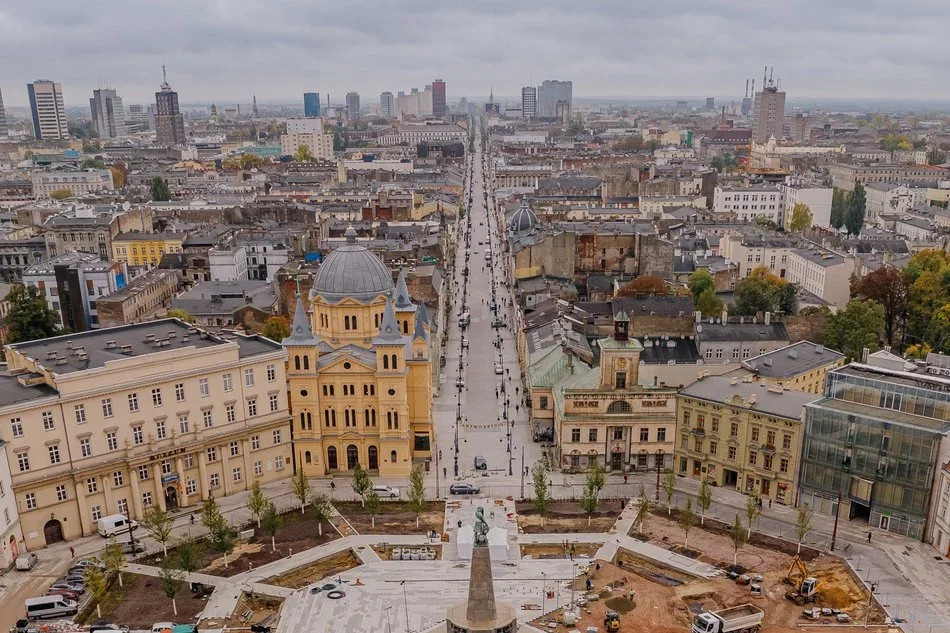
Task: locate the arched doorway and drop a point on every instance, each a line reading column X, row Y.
column 352, row 457
column 331, row 458
column 171, row 497
column 14, row 547
column 53, row 531
column 373, row 458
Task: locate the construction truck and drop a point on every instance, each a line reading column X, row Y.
column 612, row 621
column 745, row 618
column 806, row 586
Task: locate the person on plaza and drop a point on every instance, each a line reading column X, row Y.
column 192, row 518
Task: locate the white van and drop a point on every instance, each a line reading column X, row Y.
column 50, row 607
column 115, row 524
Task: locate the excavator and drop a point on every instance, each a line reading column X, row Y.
column 612, row 621
column 806, row 585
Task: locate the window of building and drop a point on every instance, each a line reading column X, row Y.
column 661, row 434
column 212, row 453
column 719, row 353
column 122, row 505
column 215, row 480
column 575, row 435
column 183, row 425
column 787, row 442
column 279, row 462
column 137, row 435
column 118, row 479
column 543, row 402
column 206, row 418
column 753, row 458
column 180, row 392
column 48, row 421
column 767, row 462
column 258, row 469
column 235, row 449
column 620, row 380
column 143, row 472
column 698, row 444
column 61, row 494
column 274, row 402
column 166, row 467
column 147, row 499
column 112, row 441
column 157, row 396
column 80, row 411
column 734, row 429
column 189, row 460
column 755, row 434
column 160, row 429
column 277, row 438
column 133, row 402
column 30, row 499
column 229, row 413
column 592, row 435
column 252, row 407
column 271, row 373
column 684, row 442
column 192, row 487
column 783, row 465
column 713, row 447
column 618, row 432
column 95, row 512
column 770, row 438
column 203, row 389
column 16, row 426
column 644, row 434
column 249, row 377
column 255, row 442
column 236, row 473
column 732, row 453
column 228, row 386
column 53, row 453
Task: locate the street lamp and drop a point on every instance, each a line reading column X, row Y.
column 658, row 462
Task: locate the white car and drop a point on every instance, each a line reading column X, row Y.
column 499, row 369
column 386, row 491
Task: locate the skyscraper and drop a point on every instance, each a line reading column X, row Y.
column 49, row 113
column 768, row 112
column 3, row 119
column 108, row 115
column 438, row 98
column 311, row 104
column 254, row 106
column 169, row 121
column 387, row 105
column 551, row 93
column 352, row 106
column 529, row 102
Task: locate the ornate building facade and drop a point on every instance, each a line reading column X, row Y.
column 359, row 369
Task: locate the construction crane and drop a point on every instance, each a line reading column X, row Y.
column 806, row 586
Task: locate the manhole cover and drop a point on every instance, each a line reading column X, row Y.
column 328, row 587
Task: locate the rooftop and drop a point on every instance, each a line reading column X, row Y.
column 88, row 262
column 768, row 400
column 223, row 297
column 742, row 332
column 792, row 360
column 150, row 237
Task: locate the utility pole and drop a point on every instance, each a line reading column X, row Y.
column 522, row 471
column 834, row 531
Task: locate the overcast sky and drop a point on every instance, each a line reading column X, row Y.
column 227, row 50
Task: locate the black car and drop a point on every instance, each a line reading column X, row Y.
column 463, row 489
column 544, row 435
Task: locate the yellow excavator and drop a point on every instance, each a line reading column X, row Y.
column 612, row 621
column 806, row 586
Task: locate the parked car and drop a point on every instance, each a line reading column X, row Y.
column 480, row 463
column 499, row 369
column 463, row 489
column 66, row 593
column 386, row 491
column 544, row 435
column 23, row 626
column 26, row 562
column 497, row 323
column 79, row 588
column 85, row 562
column 107, row 626
column 132, row 548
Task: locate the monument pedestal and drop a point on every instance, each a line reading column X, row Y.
column 480, row 614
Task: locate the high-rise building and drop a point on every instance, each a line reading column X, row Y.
column 710, row 103
column 138, row 120
column 311, row 104
column 768, row 112
column 387, row 105
column 46, row 106
column 352, row 106
column 108, row 115
column 438, row 99
column 169, row 121
column 552, row 92
column 529, row 102
column 254, row 107
column 3, row 119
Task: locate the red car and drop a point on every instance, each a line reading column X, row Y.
column 66, row 593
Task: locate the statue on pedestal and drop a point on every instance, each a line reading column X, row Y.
column 481, row 528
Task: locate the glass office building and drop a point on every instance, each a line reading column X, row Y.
column 874, row 442
column 311, row 104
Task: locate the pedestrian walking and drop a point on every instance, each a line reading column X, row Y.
column 869, row 537
column 624, row 479
column 192, row 518
column 445, row 472
column 770, row 503
column 72, row 552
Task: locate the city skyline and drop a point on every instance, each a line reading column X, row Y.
column 484, row 46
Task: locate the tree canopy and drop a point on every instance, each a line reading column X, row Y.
column 857, row 204
column 61, row 194
column 178, row 313
column 859, row 325
column 700, row 281
column 276, row 328
column 763, row 291
column 644, row 285
column 801, row 217
column 888, row 287
column 30, row 317
column 303, row 154
column 159, row 190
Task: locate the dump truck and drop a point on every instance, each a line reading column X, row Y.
column 745, row 618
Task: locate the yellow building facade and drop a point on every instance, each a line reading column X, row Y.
column 143, row 249
column 118, row 420
column 359, row 369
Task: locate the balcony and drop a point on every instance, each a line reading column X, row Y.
column 698, row 431
column 768, row 449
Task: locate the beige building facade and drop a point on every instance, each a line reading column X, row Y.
column 118, row 420
column 359, row 370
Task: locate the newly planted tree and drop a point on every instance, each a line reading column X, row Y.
column 97, row 585
column 257, row 502
column 372, row 505
column 220, row 533
column 320, row 510
column 158, row 523
column 592, row 487
column 300, row 486
column 539, row 484
column 361, row 483
column 270, row 522
column 173, row 579
column 704, row 501
column 669, row 489
column 188, row 557
column 803, row 524
column 753, row 508
column 114, row 559
column 417, row 492
column 739, row 536
column 643, row 509
column 686, row 520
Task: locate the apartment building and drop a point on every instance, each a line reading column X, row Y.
column 817, row 199
column 845, row 175
column 874, row 442
column 413, row 134
column 91, row 228
column 751, row 250
column 48, row 110
column 742, row 435
column 801, row 366
column 891, row 197
column 310, row 134
column 822, row 272
column 123, row 419
column 11, row 537
column 725, row 340
column 77, row 183
column 139, row 300
column 145, row 249
column 751, row 202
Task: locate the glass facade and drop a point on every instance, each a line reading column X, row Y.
column 311, row 104
column 874, row 439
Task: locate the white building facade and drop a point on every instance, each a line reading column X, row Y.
column 752, row 202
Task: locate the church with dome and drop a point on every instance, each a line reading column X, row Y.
column 359, row 369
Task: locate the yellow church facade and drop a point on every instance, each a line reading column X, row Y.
column 359, row 370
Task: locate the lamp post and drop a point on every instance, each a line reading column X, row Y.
column 658, row 462
column 543, row 593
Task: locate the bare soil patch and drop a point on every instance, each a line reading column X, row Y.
column 317, row 570
column 251, row 609
column 554, row 550
column 567, row 517
column 394, row 517
column 141, row 601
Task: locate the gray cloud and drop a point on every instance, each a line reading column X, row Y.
column 227, row 50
